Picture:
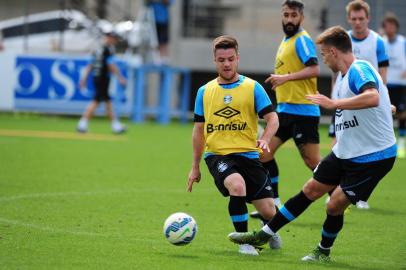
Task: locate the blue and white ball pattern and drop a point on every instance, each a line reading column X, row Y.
column 180, row 229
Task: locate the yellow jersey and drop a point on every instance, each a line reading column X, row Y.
column 292, row 53
column 231, row 115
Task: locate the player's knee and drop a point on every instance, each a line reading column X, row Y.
column 311, row 162
column 333, row 209
column 311, row 190
column 237, row 188
column 267, row 209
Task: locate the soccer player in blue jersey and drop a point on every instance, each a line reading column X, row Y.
column 397, row 75
column 364, row 153
column 366, row 45
column 225, row 132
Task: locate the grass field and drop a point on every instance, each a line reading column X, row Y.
column 98, row 201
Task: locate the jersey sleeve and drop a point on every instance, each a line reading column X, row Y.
column 381, row 53
column 199, row 108
column 306, row 50
column 362, row 77
column 263, row 104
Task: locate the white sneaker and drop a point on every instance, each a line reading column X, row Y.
column 82, row 126
column 362, row 205
column 248, row 250
column 117, row 127
column 275, row 242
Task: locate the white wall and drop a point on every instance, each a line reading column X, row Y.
column 7, row 82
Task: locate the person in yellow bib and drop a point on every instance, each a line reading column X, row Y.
column 296, row 70
column 225, row 132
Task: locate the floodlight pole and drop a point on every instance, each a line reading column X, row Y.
column 61, row 25
column 26, row 27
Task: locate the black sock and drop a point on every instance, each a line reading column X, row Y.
column 239, row 213
column 273, row 174
column 289, row 211
column 331, row 227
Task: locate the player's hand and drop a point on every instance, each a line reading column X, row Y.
column 322, row 100
column 194, row 176
column 262, row 144
column 82, row 84
column 393, row 109
column 277, row 80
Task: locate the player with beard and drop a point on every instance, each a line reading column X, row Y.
column 225, row 129
column 296, row 69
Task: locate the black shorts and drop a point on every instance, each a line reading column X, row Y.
column 303, row 129
column 101, row 86
column 357, row 180
column 397, row 94
column 255, row 176
column 162, row 30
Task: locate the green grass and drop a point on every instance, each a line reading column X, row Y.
column 85, row 204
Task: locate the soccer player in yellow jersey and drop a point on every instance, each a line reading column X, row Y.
column 296, row 69
column 225, row 131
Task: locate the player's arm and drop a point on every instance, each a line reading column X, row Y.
column 367, row 99
column 85, row 76
column 272, row 125
column 116, row 71
column 383, row 72
column 198, row 147
column 383, row 59
column 265, row 110
column 198, row 140
column 363, row 83
column 306, row 51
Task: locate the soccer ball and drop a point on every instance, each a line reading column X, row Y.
column 180, row 229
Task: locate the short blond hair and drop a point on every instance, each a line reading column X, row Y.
column 357, row 5
column 225, row 42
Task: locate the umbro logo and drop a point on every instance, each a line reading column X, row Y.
column 227, row 112
column 350, row 193
column 268, row 188
column 339, row 112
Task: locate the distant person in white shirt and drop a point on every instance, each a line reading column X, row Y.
column 396, row 46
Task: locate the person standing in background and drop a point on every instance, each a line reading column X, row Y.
column 396, row 45
column 101, row 66
column 160, row 9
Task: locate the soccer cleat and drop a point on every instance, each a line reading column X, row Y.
column 256, row 239
column 255, row 214
column 362, row 205
column 119, row 128
column 316, row 256
column 81, row 129
column 248, row 250
column 275, row 242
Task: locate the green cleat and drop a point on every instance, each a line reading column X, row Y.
column 256, row 239
column 316, row 256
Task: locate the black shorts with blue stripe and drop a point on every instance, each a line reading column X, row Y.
column 257, row 183
column 357, row 180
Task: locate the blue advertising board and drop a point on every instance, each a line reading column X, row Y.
column 51, row 84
